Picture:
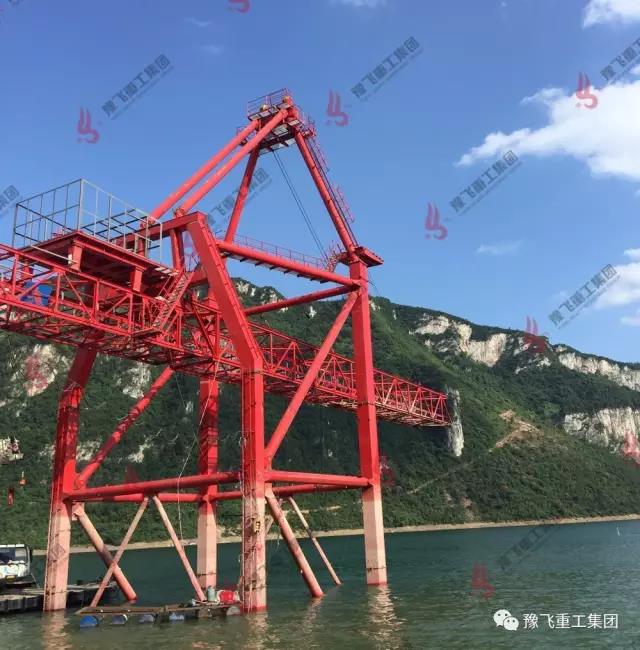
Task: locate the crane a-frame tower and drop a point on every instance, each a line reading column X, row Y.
column 86, row 270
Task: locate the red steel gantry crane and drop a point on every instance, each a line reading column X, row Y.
column 83, row 271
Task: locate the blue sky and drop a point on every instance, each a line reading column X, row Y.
column 491, row 76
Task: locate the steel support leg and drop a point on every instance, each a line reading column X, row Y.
column 207, row 464
column 294, row 546
column 368, row 432
column 103, row 552
column 64, row 474
column 254, row 575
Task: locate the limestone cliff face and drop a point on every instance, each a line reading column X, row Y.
column 455, row 434
column 488, row 351
column 616, row 372
column 607, row 427
column 447, row 335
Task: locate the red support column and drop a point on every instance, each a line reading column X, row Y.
column 208, row 464
column 254, row 584
column 368, row 431
column 254, row 570
column 64, row 474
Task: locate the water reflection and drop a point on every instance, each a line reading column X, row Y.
column 54, row 631
column 385, row 626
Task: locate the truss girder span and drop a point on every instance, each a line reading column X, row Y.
column 99, row 290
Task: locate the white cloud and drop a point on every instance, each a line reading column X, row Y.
column 626, row 288
column 611, row 11
column 212, row 49
column 634, row 320
column 633, row 254
column 371, row 4
column 500, row 248
column 606, row 138
column 197, row 22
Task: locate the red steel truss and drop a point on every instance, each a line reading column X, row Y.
column 99, row 289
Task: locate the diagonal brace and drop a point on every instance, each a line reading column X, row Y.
column 125, row 542
column 309, row 378
column 93, row 465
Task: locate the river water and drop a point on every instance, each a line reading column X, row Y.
column 444, row 588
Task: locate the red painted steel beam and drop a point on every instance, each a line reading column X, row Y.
column 314, row 540
column 93, row 465
column 103, row 552
column 338, row 222
column 243, row 193
column 64, row 473
column 311, row 272
column 123, row 545
column 152, row 487
column 180, row 550
column 165, row 497
column 294, row 546
column 312, row 373
column 227, row 495
column 192, row 181
column 217, row 176
column 298, row 300
column 324, row 479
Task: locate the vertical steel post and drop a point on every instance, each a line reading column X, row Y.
column 64, row 475
column 254, row 573
column 368, row 430
column 208, row 464
column 254, row 570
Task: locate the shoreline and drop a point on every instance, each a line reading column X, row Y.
column 347, row 532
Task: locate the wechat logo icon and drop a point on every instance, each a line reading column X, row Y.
column 503, row 618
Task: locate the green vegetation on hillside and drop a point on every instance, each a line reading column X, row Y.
column 548, row 475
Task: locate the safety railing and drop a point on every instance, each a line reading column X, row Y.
column 82, row 206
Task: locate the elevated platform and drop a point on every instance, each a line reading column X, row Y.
column 72, row 303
